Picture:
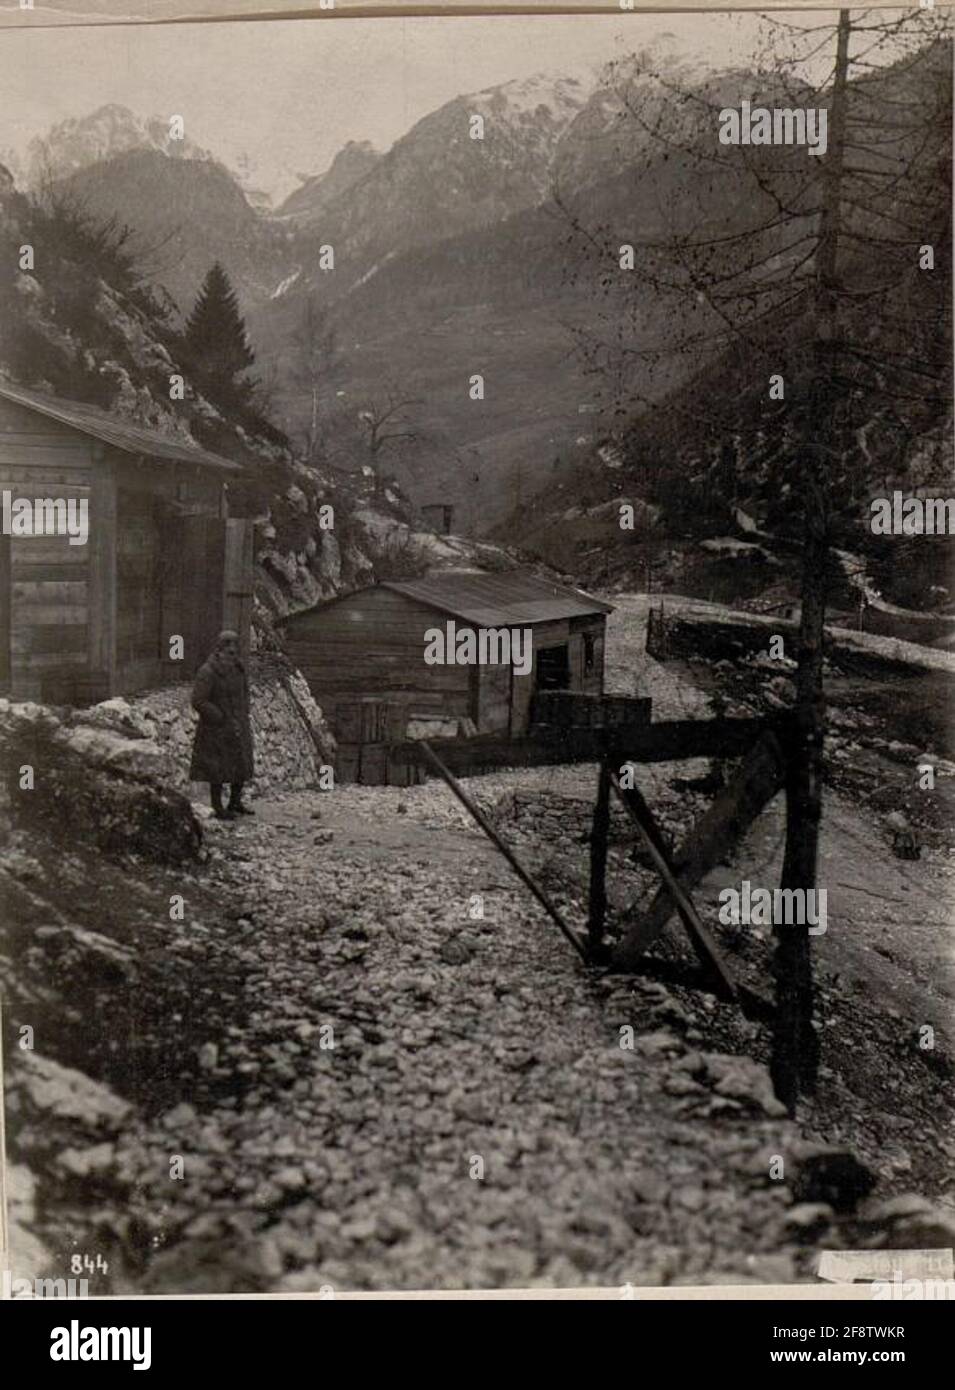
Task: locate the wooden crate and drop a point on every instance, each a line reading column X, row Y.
column 346, row 762
column 395, row 722
column 403, row 770
column 373, row 766
column 624, row 709
column 347, row 721
column 372, row 721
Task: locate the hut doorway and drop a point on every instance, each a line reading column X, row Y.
column 138, row 586
column 553, row 668
column 193, row 585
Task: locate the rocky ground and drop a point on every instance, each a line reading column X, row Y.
column 358, row 1055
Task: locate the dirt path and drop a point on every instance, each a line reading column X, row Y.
column 471, row 1118
column 476, row 1121
column 365, row 1058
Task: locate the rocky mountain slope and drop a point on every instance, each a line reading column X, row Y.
column 438, row 180
column 307, row 204
column 436, row 219
column 85, row 324
column 449, row 259
column 185, row 214
column 712, row 454
column 453, row 257
column 80, row 142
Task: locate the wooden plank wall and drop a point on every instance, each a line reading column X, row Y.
column 372, row 643
column 494, row 699
column 177, row 515
column 102, row 580
column 138, row 586
column 193, row 586
column 237, row 598
column 82, row 622
column 49, row 599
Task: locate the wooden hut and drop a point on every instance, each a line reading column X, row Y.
column 81, row 622
column 369, row 646
column 439, row 517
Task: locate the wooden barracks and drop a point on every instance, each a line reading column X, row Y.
column 368, row 646
column 79, row 623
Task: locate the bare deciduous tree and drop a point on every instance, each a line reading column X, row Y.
column 806, row 267
column 388, row 422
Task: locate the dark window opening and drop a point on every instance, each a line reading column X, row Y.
column 553, row 668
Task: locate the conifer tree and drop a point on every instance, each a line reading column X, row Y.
column 215, row 345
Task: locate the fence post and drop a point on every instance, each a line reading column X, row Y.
column 599, row 835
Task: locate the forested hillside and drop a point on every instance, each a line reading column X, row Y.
column 84, row 322
column 714, row 454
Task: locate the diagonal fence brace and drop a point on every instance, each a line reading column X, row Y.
column 505, row 849
column 702, row 942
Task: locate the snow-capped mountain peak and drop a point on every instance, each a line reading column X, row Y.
column 549, row 96
column 78, row 142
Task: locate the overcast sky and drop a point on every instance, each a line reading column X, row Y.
column 290, row 94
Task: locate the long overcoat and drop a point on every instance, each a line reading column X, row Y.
column 222, row 751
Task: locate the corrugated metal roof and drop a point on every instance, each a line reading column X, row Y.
column 132, row 439
column 499, row 600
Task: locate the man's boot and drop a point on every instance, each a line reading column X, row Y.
column 215, row 793
column 235, row 801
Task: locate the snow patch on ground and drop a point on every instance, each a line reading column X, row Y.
column 285, row 285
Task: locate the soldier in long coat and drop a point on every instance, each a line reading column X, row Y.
column 222, row 751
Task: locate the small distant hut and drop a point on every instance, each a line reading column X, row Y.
column 369, row 646
column 82, row 622
column 439, row 516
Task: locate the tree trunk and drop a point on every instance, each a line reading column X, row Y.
column 795, row 1045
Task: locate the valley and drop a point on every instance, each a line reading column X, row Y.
column 478, row 317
